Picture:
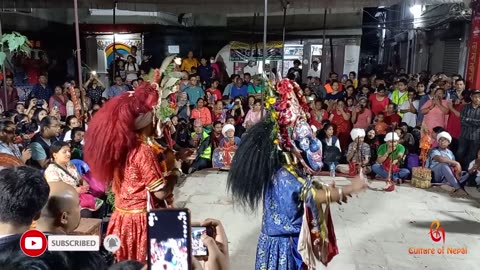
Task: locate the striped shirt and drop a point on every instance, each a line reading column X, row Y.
column 470, row 122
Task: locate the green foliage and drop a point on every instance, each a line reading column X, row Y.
column 15, row 42
column 164, row 111
column 111, row 198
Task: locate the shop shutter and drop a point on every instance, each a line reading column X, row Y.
column 451, row 56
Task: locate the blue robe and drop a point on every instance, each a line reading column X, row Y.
column 282, row 220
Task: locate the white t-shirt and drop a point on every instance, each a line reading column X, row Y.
column 312, row 73
column 471, row 166
column 131, row 67
column 409, row 118
column 68, row 135
column 329, row 143
column 252, row 70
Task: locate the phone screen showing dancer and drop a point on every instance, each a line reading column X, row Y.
column 198, row 248
column 168, row 234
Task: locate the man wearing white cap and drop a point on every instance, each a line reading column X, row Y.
column 441, row 161
column 358, row 154
column 229, row 138
column 390, row 154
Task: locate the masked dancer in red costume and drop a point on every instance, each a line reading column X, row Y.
column 120, row 149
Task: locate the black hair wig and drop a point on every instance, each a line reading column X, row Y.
column 256, row 160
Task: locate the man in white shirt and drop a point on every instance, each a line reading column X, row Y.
column 251, row 68
column 409, row 109
column 314, row 71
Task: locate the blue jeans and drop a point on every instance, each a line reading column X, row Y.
column 402, row 174
column 443, row 174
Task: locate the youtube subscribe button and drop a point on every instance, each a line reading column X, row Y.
column 73, row 243
column 33, row 243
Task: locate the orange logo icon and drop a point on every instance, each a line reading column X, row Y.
column 437, row 232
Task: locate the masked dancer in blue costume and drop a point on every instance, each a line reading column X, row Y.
column 275, row 162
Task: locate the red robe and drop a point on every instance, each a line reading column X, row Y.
column 129, row 220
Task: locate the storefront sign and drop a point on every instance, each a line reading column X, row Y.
column 240, row 52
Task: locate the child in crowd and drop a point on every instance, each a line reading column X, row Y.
column 473, row 175
column 380, row 125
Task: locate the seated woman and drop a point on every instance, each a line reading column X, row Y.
column 330, row 145
column 374, row 141
column 358, row 154
column 254, row 115
column 202, row 113
column 445, row 169
column 71, row 122
column 77, row 143
column 389, row 156
column 61, row 169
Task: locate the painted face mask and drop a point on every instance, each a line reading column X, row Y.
column 311, row 147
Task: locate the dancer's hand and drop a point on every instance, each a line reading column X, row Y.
column 218, row 258
column 358, row 185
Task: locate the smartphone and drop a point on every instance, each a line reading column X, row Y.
column 198, row 248
column 169, row 242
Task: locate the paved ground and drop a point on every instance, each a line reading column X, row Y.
column 374, row 230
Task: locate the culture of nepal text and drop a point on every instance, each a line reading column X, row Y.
column 440, row 250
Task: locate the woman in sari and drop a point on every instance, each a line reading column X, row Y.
column 62, row 169
column 292, row 202
column 59, row 100
column 127, row 157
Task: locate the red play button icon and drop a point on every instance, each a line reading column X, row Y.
column 33, row 243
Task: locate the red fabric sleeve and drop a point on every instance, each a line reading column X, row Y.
column 148, row 166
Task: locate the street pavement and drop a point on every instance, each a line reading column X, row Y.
column 374, row 230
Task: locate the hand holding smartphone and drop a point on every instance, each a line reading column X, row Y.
column 198, row 248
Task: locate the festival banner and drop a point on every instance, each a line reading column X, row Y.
column 222, row 157
column 473, row 66
column 241, row 52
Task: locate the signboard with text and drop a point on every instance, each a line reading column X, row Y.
column 240, row 52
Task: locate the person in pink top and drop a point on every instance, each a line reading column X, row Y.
column 435, row 111
column 202, row 113
column 254, row 115
column 59, row 100
column 361, row 115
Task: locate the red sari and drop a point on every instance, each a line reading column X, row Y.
column 129, row 220
column 343, row 128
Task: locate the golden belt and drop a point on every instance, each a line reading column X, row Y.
column 131, row 211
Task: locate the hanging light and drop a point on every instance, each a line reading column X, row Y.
column 416, row 11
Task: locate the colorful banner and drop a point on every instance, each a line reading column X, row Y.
column 240, row 52
column 473, row 66
column 222, row 157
